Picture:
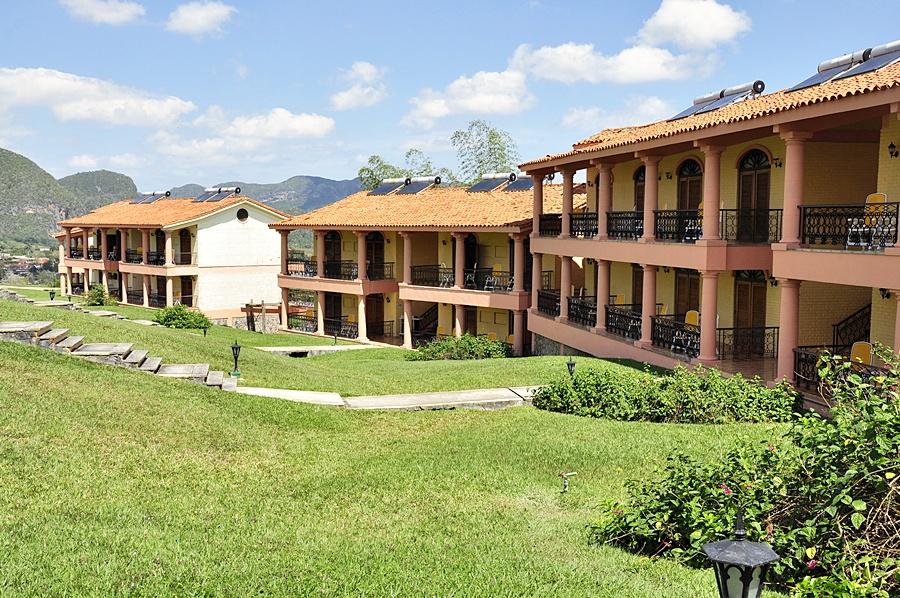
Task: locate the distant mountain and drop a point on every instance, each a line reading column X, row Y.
column 99, row 187
column 296, row 194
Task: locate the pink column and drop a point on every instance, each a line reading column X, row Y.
column 320, row 312
column 519, row 263
column 68, row 280
column 709, row 302
column 361, row 272
column 170, row 291
column 145, row 245
column 285, row 294
column 538, row 208
column 651, row 196
column 320, row 257
column 146, row 282
column 407, row 324
column 603, row 267
column 459, row 259
column 68, row 243
column 604, row 200
column 565, row 287
column 518, row 332
column 536, row 265
column 123, row 286
column 123, row 244
column 85, row 235
column 104, row 245
column 794, row 164
column 896, row 295
column 63, row 285
column 407, row 257
column 711, row 160
column 459, row 319
column 648, row 304
column 361, row 318
column 788, row 327
column 104, row 249
column 284, row 250
column 567, row 199
column 170, row 261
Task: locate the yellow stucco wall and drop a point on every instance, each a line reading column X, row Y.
column 620, row 281
column 884, row 312
column 445, row 318
column 839, row 173
column 889, row 168
column 623, row 185
column 494, row 321
column 822, row 305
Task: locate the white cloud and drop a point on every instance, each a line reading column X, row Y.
column 279, row 123
column 126, row 160
column 639, row 110
column 200, row 18
column 213, row 118
column 367, row 87
column 86, row 161
column 572, row 63
column 104, row 12
column 484, row 92
column 693, row 24
column 241, row 71
column 73, row 97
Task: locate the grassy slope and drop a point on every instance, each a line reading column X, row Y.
column 112, row 482
column 352, row 373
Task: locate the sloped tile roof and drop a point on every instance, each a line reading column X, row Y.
column 160, row 213
column 440, row 207
column 780, row 101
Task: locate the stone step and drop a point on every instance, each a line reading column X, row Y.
column 229, row 384
column 197, row 371
column 151, row 364
column 102, row 313
column 104, row 349
column 70, row 343
column 55, row 303
column 53, row 336
column 215, row 378
column 135, row 358
column 30, row 328
column 145, row 322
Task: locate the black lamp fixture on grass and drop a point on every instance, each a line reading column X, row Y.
column 571, row 366
column 205, row 329
column 740, row 566
column 52, row 295
column 236, row 351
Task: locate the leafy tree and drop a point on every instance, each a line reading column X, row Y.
column 482, row 148
column 417, row 163
column 376, row 170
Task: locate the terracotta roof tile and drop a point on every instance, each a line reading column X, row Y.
column 780, row 101
column 441, row 207
column 160, row 213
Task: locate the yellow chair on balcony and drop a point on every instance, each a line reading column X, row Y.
column 351, row 318
column 861, row 352
column 492, row 336
column 662, row 309
column 692, row 318
column 441, row 331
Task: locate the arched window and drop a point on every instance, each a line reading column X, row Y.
column 375, row 254
column 754, row 171
column 332, row 246
column 690, row 185
column 639, row 176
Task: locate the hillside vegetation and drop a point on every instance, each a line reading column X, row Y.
column 99, row 187
column 294, row 195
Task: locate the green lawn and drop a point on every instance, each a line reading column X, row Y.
column 114, row 482
column 350, row 373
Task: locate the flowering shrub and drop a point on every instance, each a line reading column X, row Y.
column 97, row 295
column 178, row 316
column 825, row 495
column 700, row 395
column 464, row 347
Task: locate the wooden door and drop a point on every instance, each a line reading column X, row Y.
column 637, row 284
column 375, row 313
column 375, row 248
column 333, row 246
column 687, row 291
column 187, row 291
column 750, row 312
column 471, row 325
column 184, row 242
column 753, row 197
column 639, row 177
column 333, row 306
column 690, row 185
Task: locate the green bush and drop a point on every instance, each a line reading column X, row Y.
column 466, row 346
column 97, row 295
column 825, row 495
column 700, row 395
column 178, row 316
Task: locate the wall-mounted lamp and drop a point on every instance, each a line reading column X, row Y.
column 668, row 176
column 443, row 241
column 893, row 151
column 666, row 269
column 387, row 299
column 885, row 294
column 773, row 282
column 777, row 162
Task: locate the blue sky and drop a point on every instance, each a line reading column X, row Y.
column 176, row 92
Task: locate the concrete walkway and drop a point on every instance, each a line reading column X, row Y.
column 484, row 398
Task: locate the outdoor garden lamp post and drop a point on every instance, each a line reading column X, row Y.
column 571, row 365
column 52, row 295
column 236, row 351
column 740, row 566
column 205, row 328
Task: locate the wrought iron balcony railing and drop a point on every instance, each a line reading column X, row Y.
column 186, row 300
column 302, row 268
column 583, row 311
column 868, row 226
column 625, row 225
column 584, row 225
column 341, row 327
column 132, row 256
column 672, row 334
column 112, row 255
column 382, row 271
column 184, row 258
column 93, row 253
column 624, row 320
column 380, row 328
column 806, row 366
column 432, row 276
column 748, row 342
column 76, row 253
column 157, row 300
column 342, row 270
column 135, row 297
column 684, row 226
column 301, row 298
column 750, row 225
column 550, row 225
column 156, row 258
column 548, row 302
column 303, row 323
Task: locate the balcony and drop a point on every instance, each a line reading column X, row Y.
column 548, row 302
column 134, row 297
column 669, row 332
column 584, row 225
column 184, row 258
column 157, row 300
column 156, row 258
column 76, row 254
column 93, row 253
column 342, row 270
column 186, row 300
column 870, row 227
column 627, row 226
column 747, row 343
column 750, row 226
column 303, row 323
column 583, row 311
column 380, row 329
column 806, row 366
column 341, row 327
column 624, row 320
column 112, row 255
column 550, row 225
column 132, row 256
column 382, row 271
column 487, row 279
column 432, row 276
column 301, row 267
column 683, row 226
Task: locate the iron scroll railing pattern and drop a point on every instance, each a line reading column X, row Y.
column 624, row 320
column 750, row 225
column 747, row 342
column 380, row 271
column 548, row 302
column 302, row 268
column 868, row 226
column 550, row 225
column 806, row 366
column 583, row 311
column 133, row 256
column 625, row 225
column 671, row 333
column 584, row 225
column 303, row 323
column 684, row 226
column 432, row 276
column 342, row 270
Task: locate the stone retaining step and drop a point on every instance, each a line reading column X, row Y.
column 151, row 364
column 53, row 336
column 215, row 378
column 69, row 343
column 146, row 322
column 55, row 303
column 229, row 384
column 136, row 358
column 35, row 328
column 102, row 313
column 104, row 349
column 184, row 370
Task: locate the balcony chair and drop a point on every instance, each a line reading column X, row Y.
column 469, row 278
column 492, row 336
column 446, row 280
column 693, row 227
column 876, row 229
column 685, row 340
column 861, row 352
